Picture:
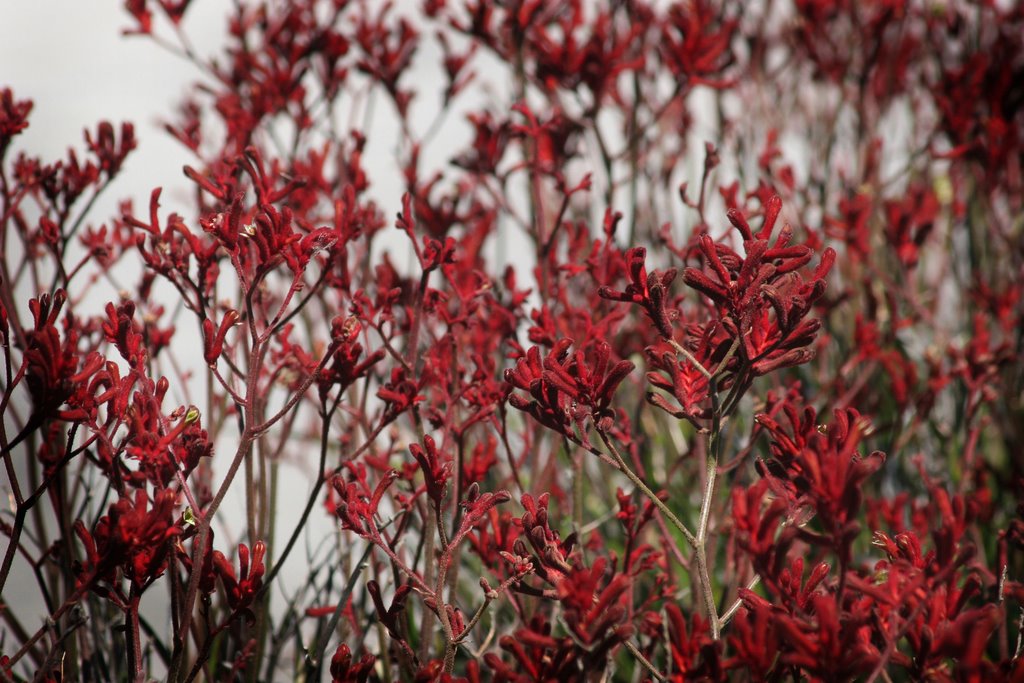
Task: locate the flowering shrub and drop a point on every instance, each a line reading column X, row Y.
column 693, row 355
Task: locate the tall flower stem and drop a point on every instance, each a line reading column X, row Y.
column 697, row 541
column 691, row 539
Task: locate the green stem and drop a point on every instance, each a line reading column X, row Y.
column 653, row 497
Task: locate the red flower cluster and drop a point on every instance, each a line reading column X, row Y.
column 815, row 475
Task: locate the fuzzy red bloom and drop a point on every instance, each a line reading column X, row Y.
column 133, row 538
column 241, row 589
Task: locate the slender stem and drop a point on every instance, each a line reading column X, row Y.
column 133, row 635
column 297, row 396
column 690, row 357
column 427, row 625
column 502, row 428
column 699, row 541
column 204, row 518
column 735, row 607
column 70, row 602
column 710, row 475
column 474, row 620
column 707, row 592
column 450, row 644
column 250, row 500
column 316, row 657
column 653, row 497
column 577, row 488
column 644, row 661
column 314, row 496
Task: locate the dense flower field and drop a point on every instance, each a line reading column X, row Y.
column 691, row 352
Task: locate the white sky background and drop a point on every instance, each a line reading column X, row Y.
column 70, row 58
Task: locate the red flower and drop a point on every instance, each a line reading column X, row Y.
column 345, row 670
column 568, row 389
column 241, row 589
column 133, row 538
column 761, row 298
